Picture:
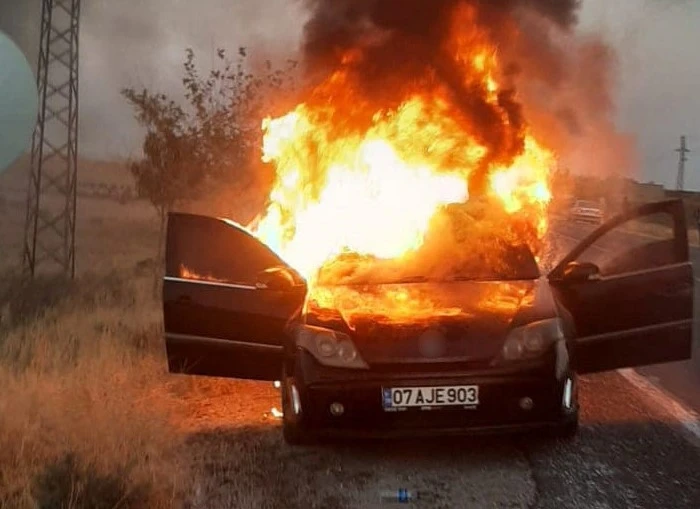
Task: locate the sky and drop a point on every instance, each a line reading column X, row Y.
column 18, row 102
column 142, row 42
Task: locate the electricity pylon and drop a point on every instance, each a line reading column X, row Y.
column 49, row 236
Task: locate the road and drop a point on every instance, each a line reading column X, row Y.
column 629, row 453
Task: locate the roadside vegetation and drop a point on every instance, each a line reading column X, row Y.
column 86, row 407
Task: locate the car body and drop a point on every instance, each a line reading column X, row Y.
column 509, row 360
column 586, row 211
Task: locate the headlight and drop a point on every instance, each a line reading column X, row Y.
column 329, row 347
column 532, row 340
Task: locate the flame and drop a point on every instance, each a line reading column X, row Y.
column 397, row 304
column 187, row 273
column 385, row 304
column 366, row 171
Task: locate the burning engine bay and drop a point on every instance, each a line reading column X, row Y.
column 410, row 160
column 459, row 246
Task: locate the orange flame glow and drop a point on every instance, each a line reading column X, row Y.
column 385, row 304
column 356, row 174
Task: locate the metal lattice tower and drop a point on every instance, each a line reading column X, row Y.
column 49, row 237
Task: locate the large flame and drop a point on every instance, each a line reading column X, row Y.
column 365, row 171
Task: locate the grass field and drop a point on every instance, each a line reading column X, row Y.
column 87, row 410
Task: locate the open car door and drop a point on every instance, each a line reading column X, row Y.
column 227, row 300
column 629, row 289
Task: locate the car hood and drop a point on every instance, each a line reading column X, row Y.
column 459, row 321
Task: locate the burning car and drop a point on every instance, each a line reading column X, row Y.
column 381, row 308
column 382, row 349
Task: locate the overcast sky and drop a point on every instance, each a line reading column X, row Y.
column 142, row 42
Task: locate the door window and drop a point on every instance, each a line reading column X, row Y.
column 643, row 243
column 203, row 249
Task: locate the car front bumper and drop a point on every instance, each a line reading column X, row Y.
column 508, row 401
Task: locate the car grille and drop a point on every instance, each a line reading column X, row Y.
column 392, row 346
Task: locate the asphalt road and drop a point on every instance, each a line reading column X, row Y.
column 629, row 453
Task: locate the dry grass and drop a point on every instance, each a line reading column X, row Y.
column 88, row 413
column 87, row 408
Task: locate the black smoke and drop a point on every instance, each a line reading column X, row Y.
column 402, row 42
column 342, row 24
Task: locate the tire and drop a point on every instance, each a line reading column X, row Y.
column 294, row 433
column 567, row 430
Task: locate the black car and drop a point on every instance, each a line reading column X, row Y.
column 508, row 360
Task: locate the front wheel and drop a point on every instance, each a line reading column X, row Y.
column 295, row 435
column 568, row 429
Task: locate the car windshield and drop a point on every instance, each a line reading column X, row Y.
column 478, row 255
column 587, row 204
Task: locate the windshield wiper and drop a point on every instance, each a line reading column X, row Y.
column 412, row 279
column 490, row 278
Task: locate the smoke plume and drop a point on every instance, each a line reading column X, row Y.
column 557, row 82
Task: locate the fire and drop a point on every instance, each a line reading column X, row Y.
column 364, row 171
column 370, row 200
column 389, row 305
column 187, row 273
column 411, row 303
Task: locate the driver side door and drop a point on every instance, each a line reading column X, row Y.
column 635, row 305
column 220, row 317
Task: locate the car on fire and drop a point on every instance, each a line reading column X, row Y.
column 586, row 211
column 508, row 360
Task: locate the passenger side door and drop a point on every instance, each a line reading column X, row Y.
column 227, row 300
column 629, row 288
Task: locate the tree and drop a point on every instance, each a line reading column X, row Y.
column 210, row 137
column 228, row 107
column 164, row 175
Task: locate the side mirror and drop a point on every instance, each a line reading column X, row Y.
column 579, row 272
column 275, row 278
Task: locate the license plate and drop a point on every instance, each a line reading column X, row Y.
column 395, row 398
